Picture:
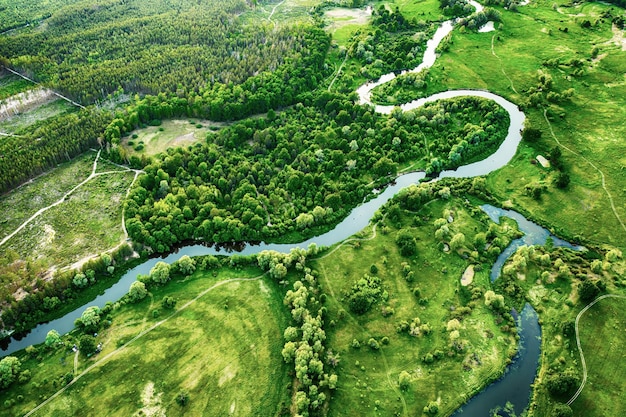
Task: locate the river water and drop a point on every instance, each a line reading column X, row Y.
column 515, row 385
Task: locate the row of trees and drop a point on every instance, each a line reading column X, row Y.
column 44, row 145
column 305, row 339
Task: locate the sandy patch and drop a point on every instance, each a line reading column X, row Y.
column 618, row 38
column 543, row 161
column 263, row 288
column 487, row 27
column 227, row 374
column 25, row 101
column 468, row 276
column 19, row 294
column 49, row 235
column 342, row 17
column 151, row 401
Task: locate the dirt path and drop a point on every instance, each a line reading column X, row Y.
column 105, row 358
column 493, row 52
column 76, row 362
column 580, row 349
column 91, row 176
column 619, row 219
column 269, row 18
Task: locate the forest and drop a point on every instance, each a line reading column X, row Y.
column 305, row 167
column 387, row 321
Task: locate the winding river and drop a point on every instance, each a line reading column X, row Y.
column 515, row 385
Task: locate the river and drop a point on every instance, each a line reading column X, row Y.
column 516, row 383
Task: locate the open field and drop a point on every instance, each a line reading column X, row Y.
column 370, row 378
column 281, row 12
column 222, row 349
column 11, row 84
column 601, row 333
column 170, row 134
column 344, row 22
column 41, row 112
column 21, row 203
column 88, row 222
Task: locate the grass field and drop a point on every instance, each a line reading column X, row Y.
column 223, row 350
column 88, row 222
column 369, row 379
column 601, row 331
column 507, row 62
column 171, row 133
column 27, row 118
column 21, row 203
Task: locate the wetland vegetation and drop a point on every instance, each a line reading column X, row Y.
column 234, row 122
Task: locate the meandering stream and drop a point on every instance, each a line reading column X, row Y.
column 515, row 385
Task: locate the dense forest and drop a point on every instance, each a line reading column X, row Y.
column 306, row 167
column 149, row 48
column 35, row 150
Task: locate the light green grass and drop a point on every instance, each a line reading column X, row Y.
column 88, row 222
column 11, row 84
column 601, row 330
column 21, row 203
column 369, row 379
column 43, row 112
column 592, row 126
column 224, row 350
column 170, row 134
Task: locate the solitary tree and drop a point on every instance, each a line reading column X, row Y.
column 52, row 338
column 160, row 273
column 87, row 344
column 90, row 319
column 137, row 291
column 186, row 265
column 9, row 370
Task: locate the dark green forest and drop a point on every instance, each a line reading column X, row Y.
column 308, row 166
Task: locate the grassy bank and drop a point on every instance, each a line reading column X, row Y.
column 436, row 367
column 222, row 349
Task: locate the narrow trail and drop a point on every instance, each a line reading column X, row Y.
column 91, row 176
column 619, row 219
column 108, row 356
column 338, row 71
column 493, row 52
column 36, row 83
column 580, row 349
column 76, row 362
column 269, row 18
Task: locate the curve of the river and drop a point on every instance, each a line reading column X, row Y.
column 357, row 219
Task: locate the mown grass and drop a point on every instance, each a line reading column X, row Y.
column 369, row 379
column 224, row 350
column 171, row 133
column 86, row 223
column 21, row 121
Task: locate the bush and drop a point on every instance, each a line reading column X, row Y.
column 404, row 380
column 373, row 344
column 406, row 243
